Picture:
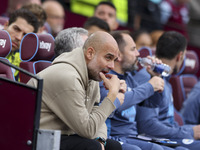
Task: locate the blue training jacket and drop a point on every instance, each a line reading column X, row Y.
column 159, row 121
column 191, row 106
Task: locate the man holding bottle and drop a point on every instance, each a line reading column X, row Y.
column 122, row 124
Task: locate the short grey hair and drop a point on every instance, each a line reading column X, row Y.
column 69, row 39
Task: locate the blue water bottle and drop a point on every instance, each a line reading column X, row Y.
column 162, row 69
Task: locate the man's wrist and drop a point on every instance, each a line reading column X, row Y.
column 101, row 140
column 112, row 96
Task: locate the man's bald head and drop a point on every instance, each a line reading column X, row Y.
column 99, row 40
column 100, row 51
column 50, row 5
column 55, row 15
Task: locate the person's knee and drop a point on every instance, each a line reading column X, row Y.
column 181, row 148
column 156, row 147
column 92, row 144
column 130, row 147
column 112, row 144
column 77, row 142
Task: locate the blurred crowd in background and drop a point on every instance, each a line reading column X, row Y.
column 138, row 16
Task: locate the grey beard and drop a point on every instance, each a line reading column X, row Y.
column 130, row 69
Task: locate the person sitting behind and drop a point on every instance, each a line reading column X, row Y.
column 21, row 22
column 39, row 12
column 55, row 16
column 69, row 39
column 107, row 12
column 94, row 24
column 142, row 38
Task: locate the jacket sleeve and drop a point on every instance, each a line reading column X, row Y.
column 137, row 95
column 133, row 96
column 71, row 105
column 103, row 94
column 76, row 116
column 149, row 123
column 191, row 108
column 102, row 131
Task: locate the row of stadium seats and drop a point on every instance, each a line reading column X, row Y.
column 20, row 103
column 36, row 53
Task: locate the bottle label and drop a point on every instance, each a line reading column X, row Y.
column 159, row 68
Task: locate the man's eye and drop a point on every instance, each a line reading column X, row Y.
column 108, row 58
column 101, row 13
column 111, row 15
column 16, row 29
column 133, row 49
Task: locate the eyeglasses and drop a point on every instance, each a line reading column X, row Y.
column 56, row 17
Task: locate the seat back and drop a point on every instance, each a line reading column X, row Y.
column 5, row 49
column 5, row 43
column 144, row 52
column 3, row 20
column 185, row 80
column 36, row 53
column 178, row 118
column 6, row 71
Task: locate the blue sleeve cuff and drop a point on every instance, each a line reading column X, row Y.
column 117, row 103
column 150, row 87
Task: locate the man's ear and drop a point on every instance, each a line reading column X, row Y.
column 120, row 55
column 90, row 52
column 180, row 56
column 6, row 25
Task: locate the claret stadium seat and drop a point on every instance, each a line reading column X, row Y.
column 21, row 105
column 183, row 82
column 36, row 53
column 144, row 52
column 3, row 20
column 5, row 49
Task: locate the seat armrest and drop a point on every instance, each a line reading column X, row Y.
column 48, row 139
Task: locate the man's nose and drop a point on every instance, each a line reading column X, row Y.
column 137, row 53
column 105, row 17
column 19, row 36
column 111, row 65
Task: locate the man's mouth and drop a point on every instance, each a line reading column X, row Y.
column 136, row 62
column 104, row 72
column 14, row 44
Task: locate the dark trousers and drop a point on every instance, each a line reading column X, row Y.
column 75, row 142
